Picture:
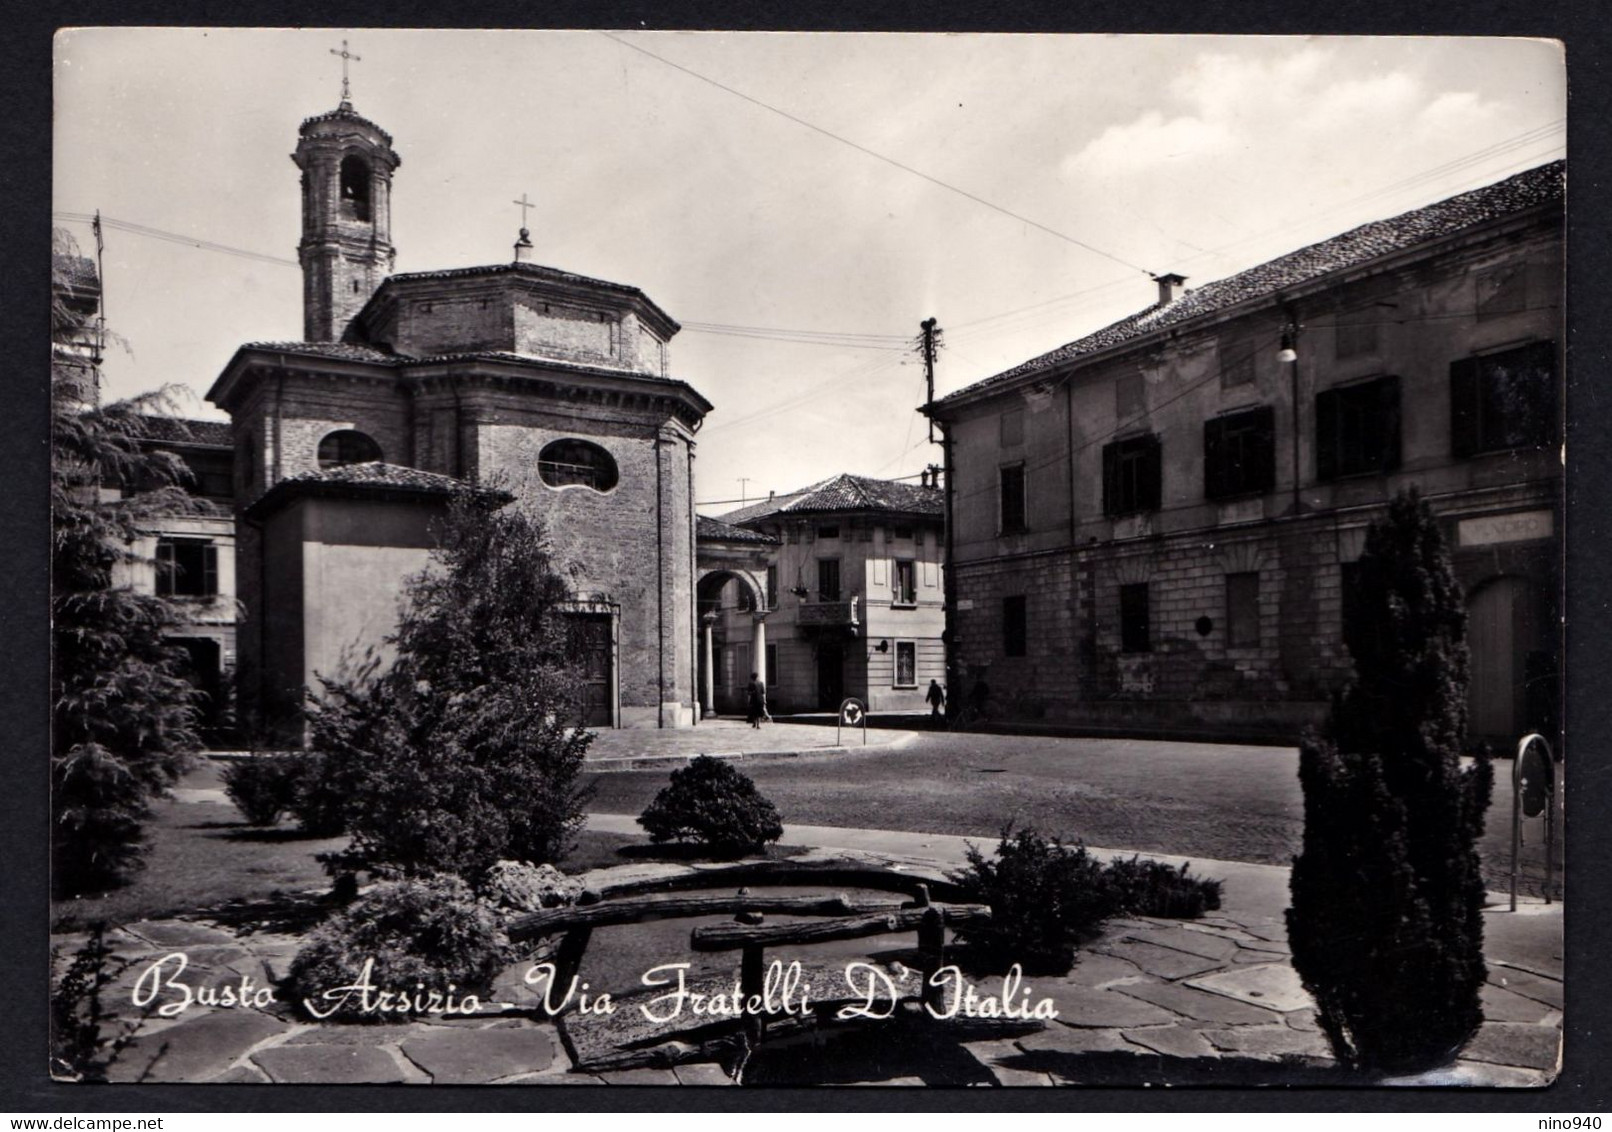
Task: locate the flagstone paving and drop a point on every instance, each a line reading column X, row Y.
column 1209, row 1001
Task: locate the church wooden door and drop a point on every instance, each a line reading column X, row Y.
column 596, row 655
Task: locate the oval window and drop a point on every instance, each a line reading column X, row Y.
column 349, row 446
column 564, row 463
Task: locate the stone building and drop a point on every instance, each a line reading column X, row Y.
column 840, row 596
column 1155, row 524
column 551, row 386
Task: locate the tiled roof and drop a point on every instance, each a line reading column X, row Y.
column 379, row 474
column 177, row 430
column 343, row 351
column 346, row 113
column 716, row 530
column 533, row 270
column 846, row 492
column 1525, row 190
column 373, row 475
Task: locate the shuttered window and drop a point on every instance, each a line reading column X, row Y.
column 1012, row 498
column 1015, row 625
column 1132, row 476
column 1499, row 402
column 186, row 567
column 1357, row 429
column 1134, row 615
column 1239, row 453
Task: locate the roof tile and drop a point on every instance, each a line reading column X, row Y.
column 846, row 492
column 1541, row 185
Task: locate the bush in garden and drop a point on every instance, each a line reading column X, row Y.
column 320, row 792
column 262, row 787
column 84, row 1037
column 712, row 803
column 1152, row 888
column 1386, row 921
column 429, row 931
column 1046, row 897
column 468, row 750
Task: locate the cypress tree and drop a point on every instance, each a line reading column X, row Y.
column 1386, row 919
column 123, row 715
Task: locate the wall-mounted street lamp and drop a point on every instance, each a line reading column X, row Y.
column 1288, row 352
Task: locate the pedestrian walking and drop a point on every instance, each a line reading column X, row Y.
column 936, row 698
column 756, row 701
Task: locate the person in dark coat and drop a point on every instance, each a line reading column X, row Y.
column 756, row 701
column 936, row 699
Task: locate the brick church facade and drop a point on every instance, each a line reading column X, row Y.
column 553, row 387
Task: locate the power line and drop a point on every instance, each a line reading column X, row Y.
column 176, row 238
column 877, row 155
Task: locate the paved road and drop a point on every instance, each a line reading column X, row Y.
column 1239, row 803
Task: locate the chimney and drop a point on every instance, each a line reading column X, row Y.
column 1170, row 287
column 523, row 247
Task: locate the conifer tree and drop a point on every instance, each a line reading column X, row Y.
column 123, row 715
column 467, row 749
column 1386, row 919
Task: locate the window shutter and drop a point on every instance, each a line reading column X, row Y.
column 1262, row 477
column 1110, row 478
column 1388, row 407
column 1326, row 434
column 210, row 570
column 1464, row 438
column 1152, row 477
column 1214, row 479
column 1542, row 360
column 165, row 568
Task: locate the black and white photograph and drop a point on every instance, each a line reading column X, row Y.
column 784, row 559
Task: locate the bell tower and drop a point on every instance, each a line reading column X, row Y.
column 347, row 163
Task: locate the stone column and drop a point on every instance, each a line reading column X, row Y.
column 758, row 647
column 708, row 651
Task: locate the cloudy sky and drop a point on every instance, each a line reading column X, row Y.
column 799, row 202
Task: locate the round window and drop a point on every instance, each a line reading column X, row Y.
column 567, row 463
column 349, row 446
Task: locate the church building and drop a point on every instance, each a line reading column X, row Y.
column 551, row 387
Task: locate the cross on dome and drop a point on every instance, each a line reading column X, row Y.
column 346, row 94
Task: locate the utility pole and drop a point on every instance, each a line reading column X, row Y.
column 928, row 325
column 743, row 497
column 954, row 683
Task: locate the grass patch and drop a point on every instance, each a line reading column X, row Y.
column 204, row 855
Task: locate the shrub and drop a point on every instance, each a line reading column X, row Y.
column 81, row 1049
column 1046, row 898
column 1152, row 888
column 1386, row 921
column 262, row 787
column 320, row 793
column 713, row 803
column 429, row 934
column 466, row 751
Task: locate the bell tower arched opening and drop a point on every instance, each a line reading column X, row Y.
column 355, row 203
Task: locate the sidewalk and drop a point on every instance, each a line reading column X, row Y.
column 647, row 748
column 1213, row 1001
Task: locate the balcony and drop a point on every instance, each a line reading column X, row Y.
column 828, row 614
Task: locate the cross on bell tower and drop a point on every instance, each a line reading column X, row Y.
column 346, row 93
column 523, row 246
column 347, row 163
